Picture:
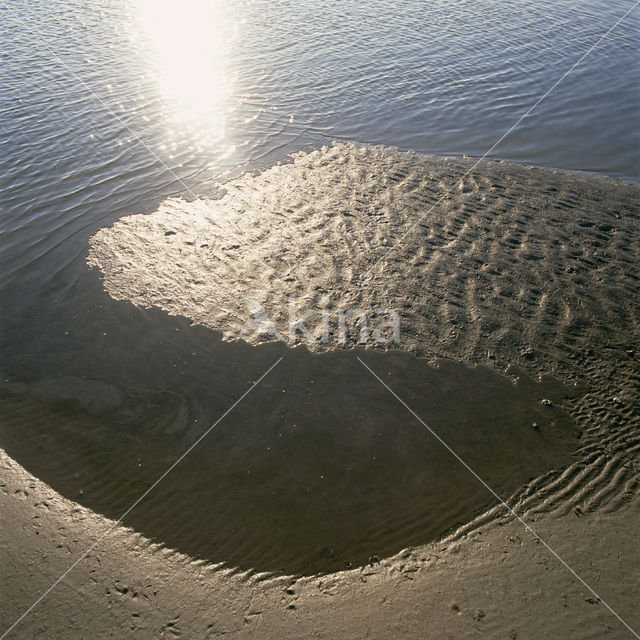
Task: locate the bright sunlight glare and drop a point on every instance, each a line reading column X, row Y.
column 190, row 41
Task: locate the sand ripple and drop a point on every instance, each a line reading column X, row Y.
column 512, row 255
column 517, row 265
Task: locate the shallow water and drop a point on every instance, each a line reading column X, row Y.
column 107, row 112
column 316, row 470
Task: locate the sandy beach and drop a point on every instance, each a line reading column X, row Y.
column 515, row 294
column 497, row 582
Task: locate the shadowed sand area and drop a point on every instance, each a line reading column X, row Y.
column 317, row 470
column 518, row 267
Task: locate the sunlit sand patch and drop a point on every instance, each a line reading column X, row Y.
column 468, row 262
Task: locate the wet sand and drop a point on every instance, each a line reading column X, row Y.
column 495, row 582
column 512, row 256
column 521, row 269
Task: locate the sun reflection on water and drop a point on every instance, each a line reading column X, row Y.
column 190, row 43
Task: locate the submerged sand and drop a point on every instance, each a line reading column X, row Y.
column 317, row 470
column 518, row 266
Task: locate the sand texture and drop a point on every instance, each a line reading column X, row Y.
column 517, row 296
column 513, row 255
column 516, row 266
column 497, row 582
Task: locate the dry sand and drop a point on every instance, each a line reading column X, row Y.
column 518, row 266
